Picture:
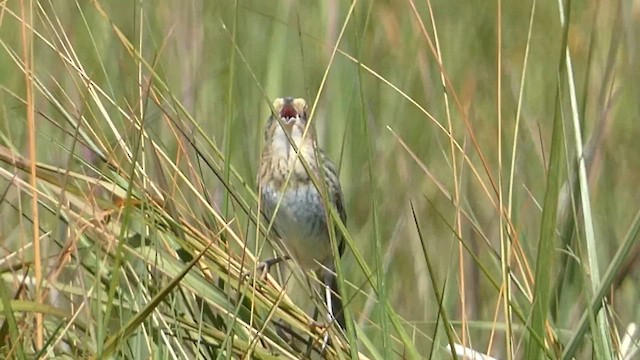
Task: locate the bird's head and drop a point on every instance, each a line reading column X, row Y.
column 292, row 112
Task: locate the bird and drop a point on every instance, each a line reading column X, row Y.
column 294, row 202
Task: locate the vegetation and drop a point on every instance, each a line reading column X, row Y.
column 486, row 152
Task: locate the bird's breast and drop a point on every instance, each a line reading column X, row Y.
column 300, row 221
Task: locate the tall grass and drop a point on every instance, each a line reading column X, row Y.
column 487, row 153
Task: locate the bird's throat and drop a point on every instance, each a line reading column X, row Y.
column 283, row 148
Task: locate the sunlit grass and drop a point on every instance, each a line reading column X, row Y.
column 473, row 221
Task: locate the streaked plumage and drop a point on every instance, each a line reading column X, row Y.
column 301, row 219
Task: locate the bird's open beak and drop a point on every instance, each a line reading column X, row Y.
column 290, row 111
column 289, row 115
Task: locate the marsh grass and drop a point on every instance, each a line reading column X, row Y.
column 487, row 153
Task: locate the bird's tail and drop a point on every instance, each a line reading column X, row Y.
column 333, row 298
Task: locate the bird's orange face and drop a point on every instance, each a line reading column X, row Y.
column 292, row 112
column 287, row 127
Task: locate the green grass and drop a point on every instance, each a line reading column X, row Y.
column 487, row 153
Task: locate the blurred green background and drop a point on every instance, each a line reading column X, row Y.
column 201, row 74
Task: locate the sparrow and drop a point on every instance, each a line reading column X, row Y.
column 290, row 198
